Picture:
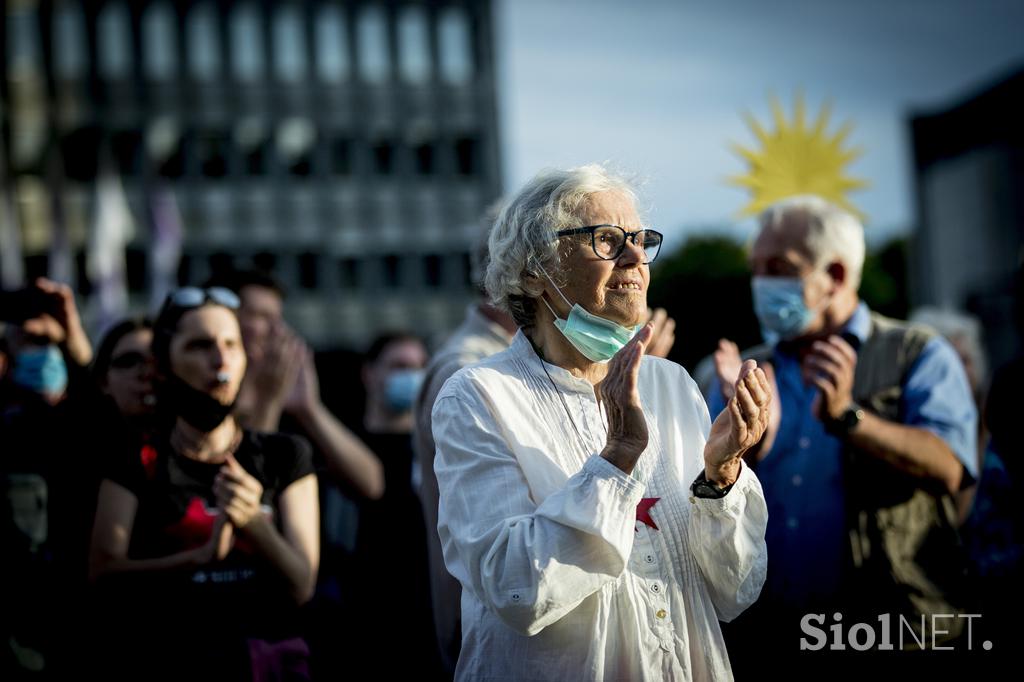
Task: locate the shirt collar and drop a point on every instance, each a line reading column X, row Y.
column 563, row 378
column 859, row 323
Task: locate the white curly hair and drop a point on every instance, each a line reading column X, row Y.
column 522, row 241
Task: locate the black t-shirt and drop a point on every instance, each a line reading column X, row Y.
column 176, row 512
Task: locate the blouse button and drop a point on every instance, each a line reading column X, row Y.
column 661, row 613
column 655, row 587
column 649, row 558
column 515, row 597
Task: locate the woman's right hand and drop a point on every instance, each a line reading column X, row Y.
column 620, row 394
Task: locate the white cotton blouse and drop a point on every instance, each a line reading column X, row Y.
column 560, row 580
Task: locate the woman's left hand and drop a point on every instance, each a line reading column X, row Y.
column 739, row 427
column 238, row 493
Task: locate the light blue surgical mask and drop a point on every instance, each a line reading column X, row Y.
column 401, row 388
column 596, row 338
column 41, row 370
column 780, row 307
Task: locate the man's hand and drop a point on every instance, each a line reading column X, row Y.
column 305, row 393
column 830, row 366
column 274, row 375
column 61, row 324
column 663, row 336
column 620, row 394
column 739, row 427
column 727, row 367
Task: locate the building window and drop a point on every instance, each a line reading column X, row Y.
column 114, row 41
column 159, row 47
column 295, row 139
column 413, row 45
column 372, row 41
column 247, row 43
column 69, row 49
column 83, row 286
column 135, row 269
column 341, row 156
column 391, row 271
column 80, row 150
column 348, row 273
column 424, row 153
column 166, row 147
column 331, row 44
column 253, row 146
column 37, row 265
column 432, row 271
column 309, row 275
column 203, row 45
column 184, row 270
column 127, row 146
column 212, row 154
column 289, row 44
column 23, row 55
column 265, row 261
column 456, row 49
column 221, row 262
column 467, row 150
column 383, row 157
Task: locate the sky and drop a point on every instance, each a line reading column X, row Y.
column 658, row 88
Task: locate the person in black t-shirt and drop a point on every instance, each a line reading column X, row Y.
column 206, row 538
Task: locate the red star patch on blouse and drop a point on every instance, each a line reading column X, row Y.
column 643, row 511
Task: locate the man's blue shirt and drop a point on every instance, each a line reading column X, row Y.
column 802, row 474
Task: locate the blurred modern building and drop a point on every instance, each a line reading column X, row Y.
column 351, row 147
column 969, row 166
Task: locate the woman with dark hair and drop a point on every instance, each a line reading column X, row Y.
column 123, row 371
column 209, row 534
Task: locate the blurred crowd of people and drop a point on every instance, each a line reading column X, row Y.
column 181, row 502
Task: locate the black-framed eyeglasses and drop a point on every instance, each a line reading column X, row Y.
column 608, row 241
column 193, row 297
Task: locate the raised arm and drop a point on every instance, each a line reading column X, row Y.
column 112, row 532
column 294, row 552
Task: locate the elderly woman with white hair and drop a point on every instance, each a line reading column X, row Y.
column 598, row 521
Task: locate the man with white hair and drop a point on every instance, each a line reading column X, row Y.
column 875, row 434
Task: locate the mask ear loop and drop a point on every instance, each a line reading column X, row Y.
column 553, row 313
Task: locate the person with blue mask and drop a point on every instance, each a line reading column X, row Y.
column 391, row 546
column 44, row 344
column 53, row 438
column 875, row 434
column 599, row 523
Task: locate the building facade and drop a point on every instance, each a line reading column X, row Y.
column 969, row 172
column 350, row 147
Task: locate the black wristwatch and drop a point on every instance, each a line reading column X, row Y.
column 846, row 422
column 705, row 489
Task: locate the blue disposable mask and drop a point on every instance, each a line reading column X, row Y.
column 41, row 370
column 595, row 337
column 401, row 388
column 780, row 307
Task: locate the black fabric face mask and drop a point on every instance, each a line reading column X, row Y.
column 197, row 408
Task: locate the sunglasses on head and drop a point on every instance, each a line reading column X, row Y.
column 193, row 297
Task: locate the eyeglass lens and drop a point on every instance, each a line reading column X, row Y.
column 610, row 241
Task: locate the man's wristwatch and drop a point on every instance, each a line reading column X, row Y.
column 707, row 490
column 841, row 426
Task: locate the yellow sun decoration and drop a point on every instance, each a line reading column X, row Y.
column 797, row 159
